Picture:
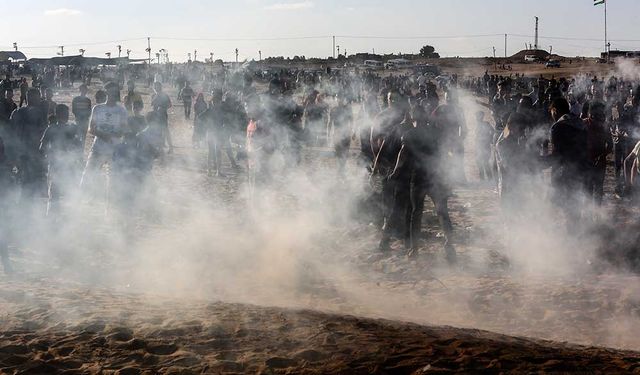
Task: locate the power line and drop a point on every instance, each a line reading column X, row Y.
column 244, row 39
column 82, row 44
column 417, row 37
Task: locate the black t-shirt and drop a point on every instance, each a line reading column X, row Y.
column 569, row 148
column 187, row 94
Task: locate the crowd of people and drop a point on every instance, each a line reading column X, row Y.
column 410, row 131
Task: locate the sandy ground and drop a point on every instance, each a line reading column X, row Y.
column 182, row 311
column 135, row 334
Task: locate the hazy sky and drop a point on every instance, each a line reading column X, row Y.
column 182, row 26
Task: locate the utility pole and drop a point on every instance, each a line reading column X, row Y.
column 61, row 51
column 260, row 55
column 338, row 51
column 128, row 53
column 195, row 55
column 189, row 57
column 535, row 41
column 149, row 49
column 108, row 55
column 15, row 46
column 505, row 46
column 119, row 50
column 495, row 61
column 550, row 50
column 81, row 50
column 333, row 53
column 605, row 31
column 236, row 55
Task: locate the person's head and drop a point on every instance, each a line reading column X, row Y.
column 559, row 107
column 113, row 92
column 83, row 89
column 200, row 97
column 62, row 113
column 33, row 96
column 597, row 112
column 8, row 94
column 157, row 87
column 101, row 97
column 186, row 83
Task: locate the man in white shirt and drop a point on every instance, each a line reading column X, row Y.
column 108, row 123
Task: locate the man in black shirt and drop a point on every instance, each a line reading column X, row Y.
column 61, row 146
column 420, row 158
column 28, row 124
column 7, row 106
column 568, row 160
column 24, row 86
column 186, row 94
column 81, row 108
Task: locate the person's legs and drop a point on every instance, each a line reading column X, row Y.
column 342, row 152
column 440, row 201
column 187, row 109
column 53, row 203
column 418, row 194
column 83, row 125
column 388, row 188
column 88, row 181
column 619, row 154
column 4, row 240
column 213, row 166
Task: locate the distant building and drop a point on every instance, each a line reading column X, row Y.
column 617, row 53
column 12, row 57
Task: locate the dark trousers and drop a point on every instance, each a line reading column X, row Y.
column 620, row 152
column 483, row 162
column 595, row 183
column 396, row 196
column 419, row 191
column 187, row 108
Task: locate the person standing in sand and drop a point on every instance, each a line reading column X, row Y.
column 186, row 95
column 108, row 122
column 6, row 192
column 161, row 104
column 81, row 109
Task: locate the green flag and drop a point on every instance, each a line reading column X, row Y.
column 598, row 2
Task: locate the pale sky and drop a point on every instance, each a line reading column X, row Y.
column 469, row 27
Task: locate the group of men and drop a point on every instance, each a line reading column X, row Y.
column 411, row 141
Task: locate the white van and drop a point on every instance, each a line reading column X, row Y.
column 373, row 64
column 530, row 58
